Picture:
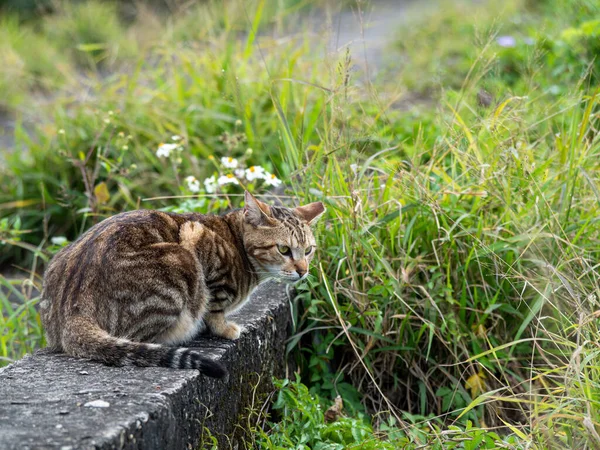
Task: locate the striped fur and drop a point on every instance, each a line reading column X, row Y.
column 136, row 286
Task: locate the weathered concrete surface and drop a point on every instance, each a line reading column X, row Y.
column 43, row 396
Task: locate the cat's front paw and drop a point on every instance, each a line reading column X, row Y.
column 220, row 327
column 230, row 331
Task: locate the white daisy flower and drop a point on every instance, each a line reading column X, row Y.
column 272, row 180
column 193, row 183
column 227, row 179
column 59, row 240
column 164, row 150
column 210, row 185
column 229, row 162
column 255, row 173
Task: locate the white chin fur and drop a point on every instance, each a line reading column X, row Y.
column 287, row 279
column 293, row 280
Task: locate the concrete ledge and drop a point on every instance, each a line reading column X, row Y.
column 43, row 396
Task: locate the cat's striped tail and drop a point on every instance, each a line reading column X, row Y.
column 83, row 338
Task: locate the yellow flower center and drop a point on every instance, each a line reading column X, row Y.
column 252, row 169
column 229, row 175
column 230, row 159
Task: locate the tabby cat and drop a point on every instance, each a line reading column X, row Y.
column 138, row 284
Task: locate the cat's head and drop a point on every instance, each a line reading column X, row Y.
column 279, row 240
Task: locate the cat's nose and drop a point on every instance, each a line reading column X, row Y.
column 301, row 267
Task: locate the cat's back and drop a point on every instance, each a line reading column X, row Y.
column 132, row 229
column 109, row 240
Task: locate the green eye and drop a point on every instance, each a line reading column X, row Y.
column 308, row 251
column 283, row 249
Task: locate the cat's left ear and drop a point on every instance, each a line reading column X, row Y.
column 256, row 212
column 311, row 212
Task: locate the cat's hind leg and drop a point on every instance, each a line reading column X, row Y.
column 171, row 296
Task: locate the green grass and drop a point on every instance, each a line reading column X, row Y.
column 304, row 424
column 456, row 288
column 74, row 27
column 19, row 321
column 24, row 67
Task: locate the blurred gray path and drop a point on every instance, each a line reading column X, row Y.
column 367, row 29
column 363, row 29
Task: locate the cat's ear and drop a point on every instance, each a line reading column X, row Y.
column 311, row 212
column 256, row 212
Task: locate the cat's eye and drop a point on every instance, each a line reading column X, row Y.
column 283, row 249
column 308, row 251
